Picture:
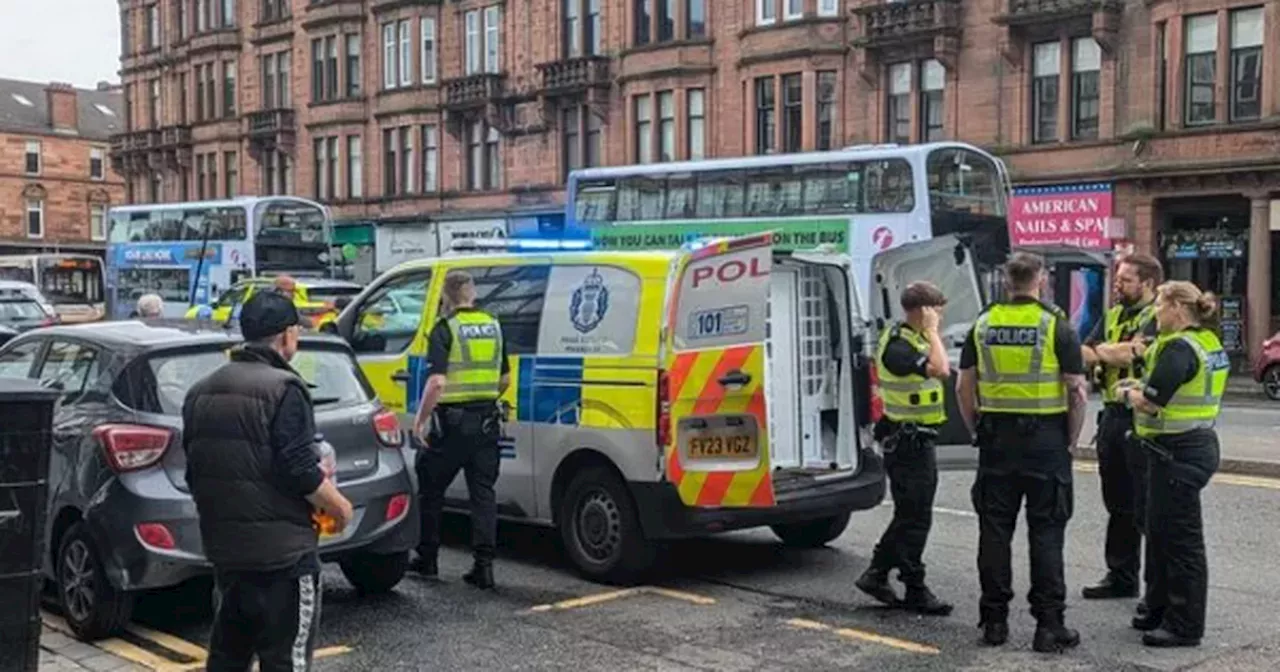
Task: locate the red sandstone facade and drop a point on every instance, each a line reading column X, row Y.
column 387, row 108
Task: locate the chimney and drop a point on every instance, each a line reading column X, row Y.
column 63, row 115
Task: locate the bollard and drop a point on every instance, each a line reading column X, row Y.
column 26, row 418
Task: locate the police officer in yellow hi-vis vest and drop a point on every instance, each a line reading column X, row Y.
column 1021, row 390
column 912, row 363
column 1128, row 326
column 458, row 424
column 1175, row 408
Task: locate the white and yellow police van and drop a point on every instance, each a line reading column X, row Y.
column 654, row 394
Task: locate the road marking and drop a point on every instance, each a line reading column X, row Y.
column 598, row 598
column 168, row 641
column 1090, row 466
column 941, row 509
column 863, row 635
column 326, row 652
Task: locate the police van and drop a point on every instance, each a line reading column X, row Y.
column 654, row 394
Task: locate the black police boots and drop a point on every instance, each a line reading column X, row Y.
column 922, row 601
column 1054, row 637
column 1164, row 639
column 875, row 582
column 481, row 575
column 426, row 567
column 994, row 633
column 1109, row 589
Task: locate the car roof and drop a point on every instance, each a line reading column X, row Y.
column 17, row 284
column 162, row 334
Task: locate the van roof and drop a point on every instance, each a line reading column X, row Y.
column 622, row 257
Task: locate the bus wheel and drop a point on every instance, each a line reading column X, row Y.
column 601, row 531
column 812, row 533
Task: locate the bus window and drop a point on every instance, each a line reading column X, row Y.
column 831, row 188
column 965, row 181
column 23, row 273
column 681, row 196
column 71, row 280
column 888, row 186
column 720, row 195
column 595, row 201
column 280, row 222
column 640, row 198
column 776, row 192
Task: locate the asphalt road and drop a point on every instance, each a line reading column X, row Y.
column 743, row 602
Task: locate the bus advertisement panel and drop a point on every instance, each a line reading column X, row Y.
column 175, row 272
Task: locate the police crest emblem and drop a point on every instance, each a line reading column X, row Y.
column 589, row 304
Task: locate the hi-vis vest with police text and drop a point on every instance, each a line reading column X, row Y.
column 1018, row 369
column 1117, row 331
column 912, row 398
column 475, row 358
column 1196, row 403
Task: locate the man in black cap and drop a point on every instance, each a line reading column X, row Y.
column 248, row 433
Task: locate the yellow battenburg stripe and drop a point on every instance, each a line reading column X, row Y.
column 744, row 483
column 686, row 399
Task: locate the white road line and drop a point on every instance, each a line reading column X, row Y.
column 940, row 509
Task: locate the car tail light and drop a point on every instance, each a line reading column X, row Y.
column 664, row 410
column 132, row 447
column 387, row 425
column 877, row 402
column 397, row 506
column 155, row 535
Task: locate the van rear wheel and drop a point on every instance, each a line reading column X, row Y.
column 601, row 531
column 812, row 533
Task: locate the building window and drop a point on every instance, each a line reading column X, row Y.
column 1046, row 66
column 406, row 160
column 766, row 12
column 210, row 92
column 331, row 167
column 157, row 187
column 274, row 9
column 277, row 173
column 473, row 42
column 492, row 38
column 390, row 145
column 355, row 167
column 353, row 66
column 666, row 126
column 592, row 29
column 319, row 178
column 580, row 37
column 695, row 18
column 493, row 158
column 276, row 79
column 643, row 17
column 1162, row 76
column 97, row 222
column 126, row 28
column 644, row 128
column 228, row 89
column 181, row 18
column 389, row 59
column 795, row 9
column 792, row 113
column 199, row 93
column 765, row 116
column 324, row 68
column 317, row 69
column 933, row 81
column 200, row 173
column 1246, row 64
column 570, row 134
column 430, row 158
column 35, row 218
column 231, row 168
column 697, row 123
column 828, row 7
column 1086, row 62
column 213, row 178
column 1201, row 69
column 475, row 156
column 406, row 54
column 202, row 15
column 96, row 157
column 153, row 102
column 153, row 26
column 826, row 122
column 666, row 20
column 898, row 117
column 182, row 98
column 184, row 184
column 570, row 32
column 428, row 28
column 228, row 13
column 32, row 166
column 593, row 146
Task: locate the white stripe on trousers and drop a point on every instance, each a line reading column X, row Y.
column 308, row 612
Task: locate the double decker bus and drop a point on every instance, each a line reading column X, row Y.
column 72, row 283
column 189, row 253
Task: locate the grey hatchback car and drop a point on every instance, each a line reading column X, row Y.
column 121, row 519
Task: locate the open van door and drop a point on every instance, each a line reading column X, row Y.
column 948, row 263
column 716, row 451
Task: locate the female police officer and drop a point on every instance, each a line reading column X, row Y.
column 1175, row 409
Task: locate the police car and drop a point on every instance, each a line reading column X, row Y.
column 652, row 395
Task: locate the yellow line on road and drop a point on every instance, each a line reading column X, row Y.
column 679, row 595
column 140, row 656
column 585, row 601
column 327, row 652
column 1090, row 466
column 168, row 641
column 863, row 635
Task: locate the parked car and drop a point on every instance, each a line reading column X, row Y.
column 21, row 313
column 6, row 333
column 1266, row 368
column 121, row 519
column 28, row 290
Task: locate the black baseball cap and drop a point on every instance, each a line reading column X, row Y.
column 266, row 314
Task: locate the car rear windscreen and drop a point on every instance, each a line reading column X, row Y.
column 160, row 383
column 13, row 310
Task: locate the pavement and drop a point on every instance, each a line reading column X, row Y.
column 742, row 601
column 59, row 652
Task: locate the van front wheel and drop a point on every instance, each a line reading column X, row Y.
column 601, row 531
column 812, row 533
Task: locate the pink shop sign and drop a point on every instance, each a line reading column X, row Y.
column 1070, row 214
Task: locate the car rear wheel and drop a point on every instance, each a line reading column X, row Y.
column 601, row 531
column 92, row 607
column 1271, row 382
column 375, row 573
column 812, row 533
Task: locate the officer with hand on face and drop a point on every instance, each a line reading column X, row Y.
column 1115, row 345
column 1175, row 409
column 459, row 422
column 1021, row 390
column 912, row 363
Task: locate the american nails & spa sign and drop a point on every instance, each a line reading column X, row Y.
column 1066, row 214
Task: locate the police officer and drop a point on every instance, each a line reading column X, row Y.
column 458, row 424
column 1175, row 407
column 1121, row 463
column 1021, row 389
column 913, row 362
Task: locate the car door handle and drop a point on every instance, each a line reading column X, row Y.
column 735, row 377
column 401, row 376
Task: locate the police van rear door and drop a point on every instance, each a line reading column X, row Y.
column 948, row 263
column 717, row 448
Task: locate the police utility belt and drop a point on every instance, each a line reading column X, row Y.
column 909, row 436
column 468, row 419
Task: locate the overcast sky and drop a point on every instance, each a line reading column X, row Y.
column 75, row 41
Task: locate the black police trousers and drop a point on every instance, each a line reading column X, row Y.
column 273, row 615
column 1023, row 460
column 469, row 443
column 912, row 468
column 1177, row 568
column 1122, row 466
